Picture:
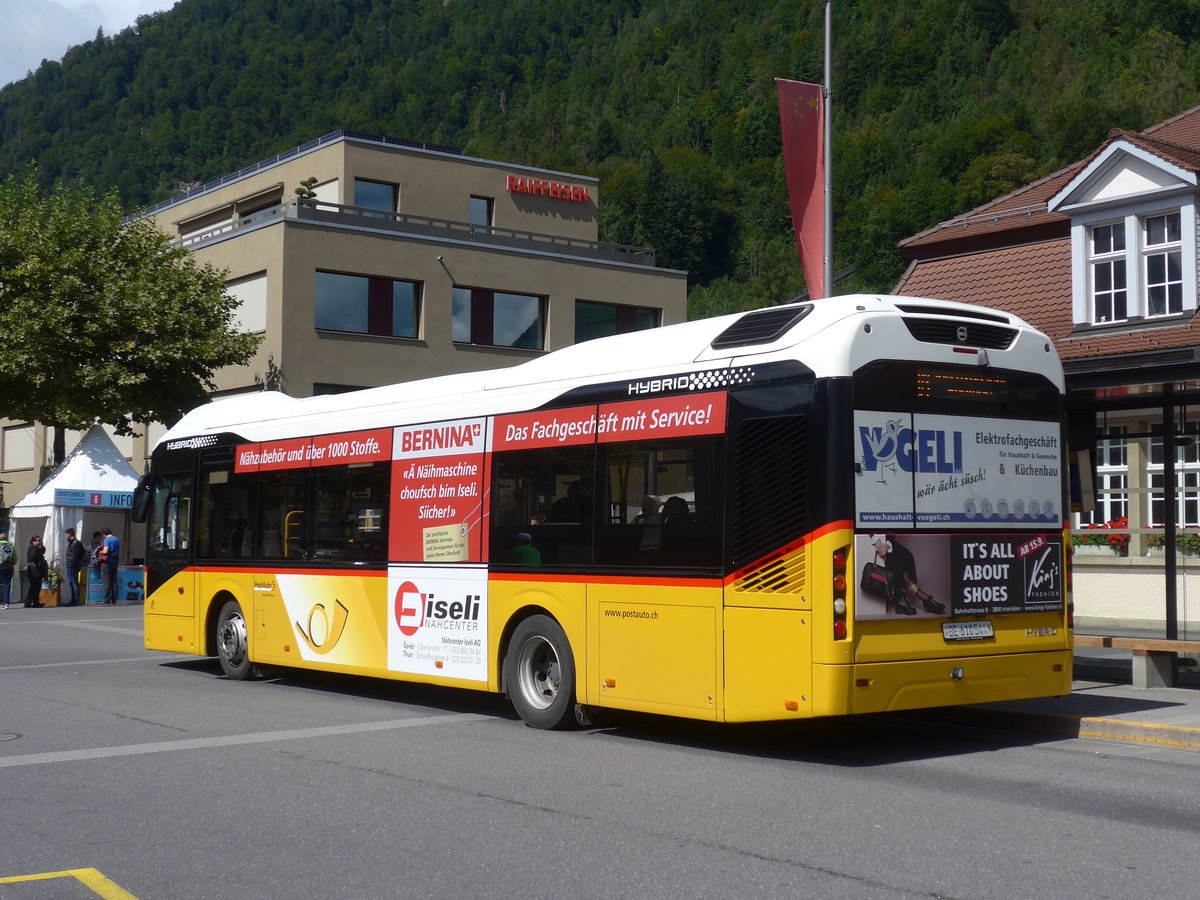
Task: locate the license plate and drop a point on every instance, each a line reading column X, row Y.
column 967, row 631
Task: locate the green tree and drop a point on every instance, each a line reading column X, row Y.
column 103, row 319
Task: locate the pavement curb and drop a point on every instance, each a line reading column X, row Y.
column 1176, row 737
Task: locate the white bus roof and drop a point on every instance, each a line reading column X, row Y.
column 832, row 337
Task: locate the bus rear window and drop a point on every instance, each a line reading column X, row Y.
column 955, row 390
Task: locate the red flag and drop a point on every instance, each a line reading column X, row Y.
column 801, row 117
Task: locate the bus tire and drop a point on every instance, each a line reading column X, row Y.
column 539, row 674
column 233, row 642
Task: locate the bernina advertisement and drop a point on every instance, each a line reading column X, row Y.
column 437, row 492
column 927, row 471
column 935, row 575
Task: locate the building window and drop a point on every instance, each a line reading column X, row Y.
column 594, row 320
column 251, row 295
column 20, row 448
column 376, row 195
column 1137, row 267
column 1187, row 484
column 480, row 212
column 1164, row 265
column 1108, row 273
column 1112, row 480
column 364, row 305
column 498, row 318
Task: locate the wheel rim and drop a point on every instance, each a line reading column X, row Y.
column 538, row 673
column 232, row 639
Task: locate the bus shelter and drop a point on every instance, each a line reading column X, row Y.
column 90, row 490
column 1137, row 542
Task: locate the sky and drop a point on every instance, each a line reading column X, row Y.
column 33, row 30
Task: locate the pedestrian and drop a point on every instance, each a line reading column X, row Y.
column 76, row 560
column 8, row 565
column 36, row 571
column 110, row 554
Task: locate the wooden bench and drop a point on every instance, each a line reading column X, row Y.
column 1153, row 658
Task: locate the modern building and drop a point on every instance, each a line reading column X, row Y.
column 398, row 260
column 1102, row 256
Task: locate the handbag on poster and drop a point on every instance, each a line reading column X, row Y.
column 876, row 581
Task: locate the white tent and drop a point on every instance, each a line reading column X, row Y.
column 90, row 490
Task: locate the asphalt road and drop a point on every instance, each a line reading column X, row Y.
column 125, row 773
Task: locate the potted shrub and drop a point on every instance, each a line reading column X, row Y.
column 51, row 585
column 1108, row 537
column 1186, row 543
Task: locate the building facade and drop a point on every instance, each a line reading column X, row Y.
column 397, row 261
column 1102, row 256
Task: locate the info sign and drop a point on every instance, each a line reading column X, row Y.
column 95, row 499
column 927, row 471
column 938, row 575
column 437, row 492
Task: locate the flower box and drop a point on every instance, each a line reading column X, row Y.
column 1100, row 550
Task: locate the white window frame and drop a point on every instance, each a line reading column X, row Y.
column 1136, row 254
column 1112, row 479
column 1163, row 249
column 1117, row 264
column 1187, row 483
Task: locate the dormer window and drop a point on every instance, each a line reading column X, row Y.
column 1163, row 265
column 1133, row 237
column 1109, row 294
column 1136, row 268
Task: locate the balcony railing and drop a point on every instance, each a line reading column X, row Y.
column 332, row 138
column 337, row 215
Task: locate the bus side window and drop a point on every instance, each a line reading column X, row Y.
column 548, row 495
column 348, row 519
column 224, row 527
column 170, row 514
column 284, row 523
column 665, row 500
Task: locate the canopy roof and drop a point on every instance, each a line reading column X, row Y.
column 94, row 465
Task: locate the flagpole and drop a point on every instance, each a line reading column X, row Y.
column 828, row 151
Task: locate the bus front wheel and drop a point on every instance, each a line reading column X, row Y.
column 233, row 643
column 539, row 673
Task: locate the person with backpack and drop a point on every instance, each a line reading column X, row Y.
column 36, row 570
column 8, row 565
column 76, row 558
column 110, row 554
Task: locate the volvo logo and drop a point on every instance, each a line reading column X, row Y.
column 961, row 334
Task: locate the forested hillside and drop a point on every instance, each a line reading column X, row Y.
column 939, row 105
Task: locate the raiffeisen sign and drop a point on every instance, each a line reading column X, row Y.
column 553, row 189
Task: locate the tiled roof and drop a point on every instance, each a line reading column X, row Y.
column 1013, row 254
column 1182, row 129
column 1019, row 210
column 1033, row 281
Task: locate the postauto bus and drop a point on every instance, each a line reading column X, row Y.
column 817, row 509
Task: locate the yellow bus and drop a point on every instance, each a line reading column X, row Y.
column 816, row 509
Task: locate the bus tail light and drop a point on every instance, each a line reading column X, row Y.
column 840, row 629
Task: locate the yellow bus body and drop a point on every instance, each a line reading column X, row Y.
column 759, row 646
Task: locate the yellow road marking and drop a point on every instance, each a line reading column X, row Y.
column 92, row 878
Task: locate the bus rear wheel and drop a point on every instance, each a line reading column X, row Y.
column 233, row 642
column 539, row 674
